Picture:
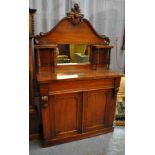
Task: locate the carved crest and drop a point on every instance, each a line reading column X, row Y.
column 75, row 15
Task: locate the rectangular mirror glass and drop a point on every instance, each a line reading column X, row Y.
column 73, row 53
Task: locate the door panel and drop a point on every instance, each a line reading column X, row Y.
column 65, row 116
column 95, row 109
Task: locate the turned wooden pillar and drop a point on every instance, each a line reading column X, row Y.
column 31, row 21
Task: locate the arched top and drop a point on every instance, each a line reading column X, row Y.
column 73, row 29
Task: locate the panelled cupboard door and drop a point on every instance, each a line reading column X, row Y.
column 96, row 106
column 64, row 115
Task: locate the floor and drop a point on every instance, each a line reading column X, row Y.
column 108, row 144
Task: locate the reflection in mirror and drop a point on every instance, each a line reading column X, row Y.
column 73, row 53
column 67, row 76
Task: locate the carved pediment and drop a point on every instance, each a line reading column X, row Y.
column 75, row 16
column 73, row 29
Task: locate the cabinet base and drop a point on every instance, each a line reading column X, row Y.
column 35, row 136
column 57, row 141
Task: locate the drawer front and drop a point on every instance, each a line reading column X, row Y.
column 59, row 87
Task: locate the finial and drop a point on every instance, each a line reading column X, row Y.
column 75, row 15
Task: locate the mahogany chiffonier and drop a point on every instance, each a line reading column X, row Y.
column 77, row 99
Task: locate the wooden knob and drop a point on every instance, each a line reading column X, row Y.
column 44, row 101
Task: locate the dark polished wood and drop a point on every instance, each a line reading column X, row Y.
column 66, row 33
column 100, row 56
column 77, row 100
column 33, row 124
column 46, row 57
column 33, row 113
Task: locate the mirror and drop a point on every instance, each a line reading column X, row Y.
column 73, row 53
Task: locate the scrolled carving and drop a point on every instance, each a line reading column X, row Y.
column 75, row 16
column 106, row 40
column 115, row 91
column 44, row 101
column 38, row 37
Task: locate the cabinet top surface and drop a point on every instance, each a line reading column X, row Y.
column 45, row 77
